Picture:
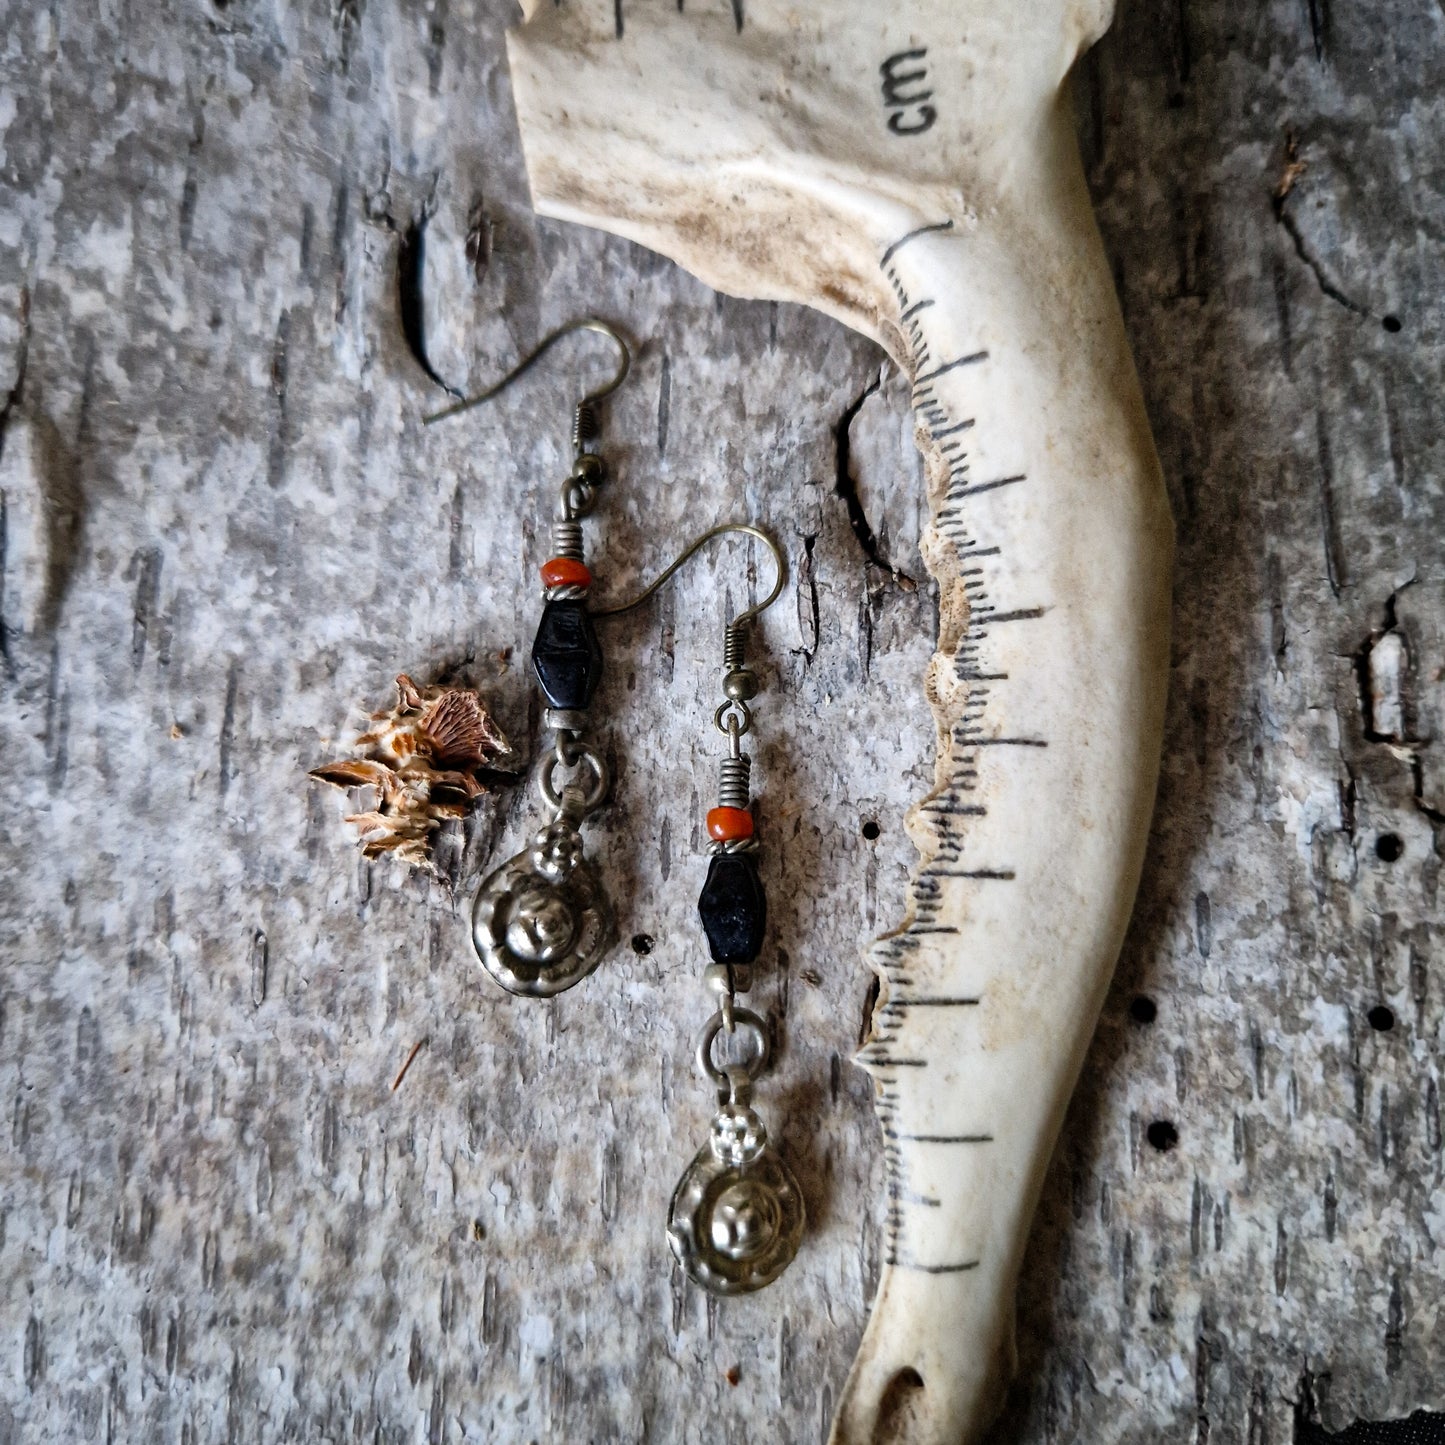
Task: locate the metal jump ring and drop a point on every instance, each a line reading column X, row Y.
column 726, row 728
column 585, row 756
column 745, row 1021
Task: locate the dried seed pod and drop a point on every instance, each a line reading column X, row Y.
column 423, row 757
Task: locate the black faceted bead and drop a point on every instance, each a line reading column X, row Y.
column 566, row 656
column 733, row 908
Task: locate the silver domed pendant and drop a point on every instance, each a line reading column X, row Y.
column 541, row 922
column 737, row 1214
column 736, row 1218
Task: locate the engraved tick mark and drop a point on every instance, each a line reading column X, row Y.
column 971, row 359
column 978, row 487
column 934, row 1268
column 902, row 241
column 996, row 875
column 945, row 1138
column 1024, row 614
column 972, row 740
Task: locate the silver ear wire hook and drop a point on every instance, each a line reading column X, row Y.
column 734, row 718
column 695, row 546
column 584, row 423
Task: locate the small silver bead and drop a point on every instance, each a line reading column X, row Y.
column 556, row 850
column 741, row 684
column 737, row 1134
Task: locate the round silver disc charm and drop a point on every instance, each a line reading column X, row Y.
column 737, row 1214
column 540, row 922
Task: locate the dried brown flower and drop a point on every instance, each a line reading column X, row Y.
column 422, row 759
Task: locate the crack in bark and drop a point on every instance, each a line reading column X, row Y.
column 12, row 400
column 480, row 235
column 15, row 394
column 411, row 299
column 1349, row 800
column 411, row 283
column 280, row 384
column 346, row 19
column 190, row 187
column 1319, row 18
column 7, row 657
column 1329, row 527
column 1284, row 217
column 845, row 486
column 807, row 599
column 1433, row 815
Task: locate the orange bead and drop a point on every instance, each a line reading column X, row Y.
column 566, row 572
column 728, row 825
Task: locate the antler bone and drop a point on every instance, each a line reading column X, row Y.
column 911, row 169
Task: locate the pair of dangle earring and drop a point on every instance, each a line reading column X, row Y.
column 542, row 923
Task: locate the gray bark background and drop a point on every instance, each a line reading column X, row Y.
column 224, row 528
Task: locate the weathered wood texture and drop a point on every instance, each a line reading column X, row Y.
column 224, row 526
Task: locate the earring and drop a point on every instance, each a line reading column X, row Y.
column 736, row 1217
column 541, row 922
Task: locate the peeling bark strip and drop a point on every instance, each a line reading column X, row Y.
column 153, row 1107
